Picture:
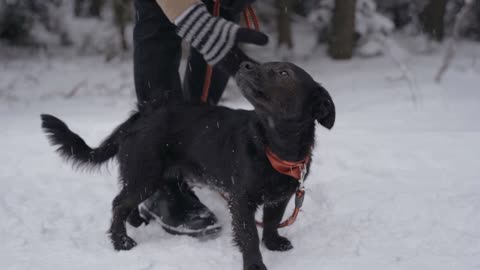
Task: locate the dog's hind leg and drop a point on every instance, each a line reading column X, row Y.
column 122, row 206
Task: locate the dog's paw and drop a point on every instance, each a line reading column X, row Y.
column 277, row 243
column 123, row 243
column 255, row 266
column 136, row 220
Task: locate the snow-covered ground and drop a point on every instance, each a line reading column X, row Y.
column 395, row 185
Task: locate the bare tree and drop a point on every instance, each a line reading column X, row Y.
column 78, row 8
column 284, row 28
column 343, row 30
column 458, row 25
column 95, row 8
column 122, row 10
column 88, row 8
column 432, row 18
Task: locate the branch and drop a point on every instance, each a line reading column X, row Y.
column 450, row 54
column 407, row 74
column 75, row 89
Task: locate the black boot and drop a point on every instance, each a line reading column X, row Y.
column 178, row 211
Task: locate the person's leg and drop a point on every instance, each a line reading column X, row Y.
column 196, row 68
column 156, row 61
column 157, row 53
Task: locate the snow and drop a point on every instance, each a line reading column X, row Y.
column 395, row 185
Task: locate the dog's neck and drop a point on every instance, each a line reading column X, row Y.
column 291, row 140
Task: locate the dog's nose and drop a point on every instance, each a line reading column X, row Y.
column 247, row 65
column 327, row 104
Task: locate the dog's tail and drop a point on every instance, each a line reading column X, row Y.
column 73, row 148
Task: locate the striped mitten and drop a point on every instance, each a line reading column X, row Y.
column 213, row 37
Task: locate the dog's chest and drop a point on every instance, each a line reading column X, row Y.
column 281, row 189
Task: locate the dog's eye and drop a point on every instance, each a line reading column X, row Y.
column 283, row 73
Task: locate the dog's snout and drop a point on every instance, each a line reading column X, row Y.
column 247, row 65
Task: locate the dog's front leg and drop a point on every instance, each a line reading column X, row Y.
column 272, row 216
column 245, row 232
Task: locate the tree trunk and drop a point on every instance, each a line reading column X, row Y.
column 95, row 9
column 467, row 9
column 78, row 8
column 122, row 10
column 342, row 36
column 432, row 18
column 284, row 28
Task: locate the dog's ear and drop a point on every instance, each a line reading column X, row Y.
column 323, row 107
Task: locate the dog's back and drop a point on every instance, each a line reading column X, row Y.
column 189, row 140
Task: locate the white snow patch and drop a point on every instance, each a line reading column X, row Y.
column 393, row 186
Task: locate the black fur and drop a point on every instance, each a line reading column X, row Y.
column 216, row 146
column 74, row 149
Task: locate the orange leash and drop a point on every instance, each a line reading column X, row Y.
column 299, row 197
column 250, row 16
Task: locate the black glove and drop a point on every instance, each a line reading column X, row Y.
column 231, row 62
column 213, row 37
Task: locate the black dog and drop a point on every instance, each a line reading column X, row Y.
column 220, row 147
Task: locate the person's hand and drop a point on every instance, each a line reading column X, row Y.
column 214, row 37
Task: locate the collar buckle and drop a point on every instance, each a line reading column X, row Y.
column 303, row 174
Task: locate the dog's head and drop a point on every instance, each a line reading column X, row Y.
column 284, row 90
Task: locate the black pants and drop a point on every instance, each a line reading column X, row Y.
column 157, row 59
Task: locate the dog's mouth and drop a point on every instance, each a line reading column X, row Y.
column 259, row 94
column 250, row 87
